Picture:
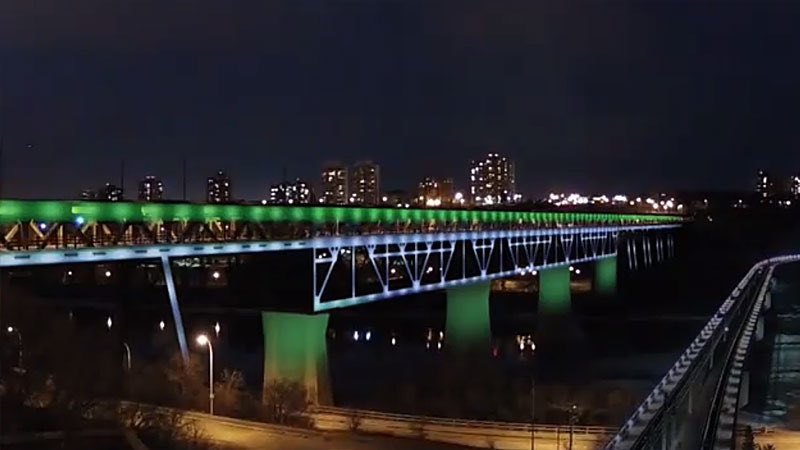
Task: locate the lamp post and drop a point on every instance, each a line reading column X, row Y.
column 573, row 419
column 14, row 330
column 203, row 340
column 127, row 356
column 533, row 397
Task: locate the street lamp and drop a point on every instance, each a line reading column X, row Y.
column 127, row 356
column 573, row 419
column 533, row 397
column 203, row 340
column 13, row 330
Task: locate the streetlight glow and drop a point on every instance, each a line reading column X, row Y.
column 161, row 325
column 109, row 322
column 10, row 329
column 203, row 341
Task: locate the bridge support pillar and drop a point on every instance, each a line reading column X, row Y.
column 468, row 326
column 295, row 349
column 605, row 275
column 760, row 329
column 767, row 301
column 169, row 280
column 554, row 291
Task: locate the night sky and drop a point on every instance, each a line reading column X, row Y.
column 593, row 96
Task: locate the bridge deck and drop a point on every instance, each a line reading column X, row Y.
column 36, row 225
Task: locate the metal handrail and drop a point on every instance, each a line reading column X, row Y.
column 712, row 420
column 662, row 395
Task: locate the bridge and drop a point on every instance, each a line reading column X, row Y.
column 697, row 402
column 349, row 256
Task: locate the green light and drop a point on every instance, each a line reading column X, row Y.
column 468, row 325
column 554, row 291
column 605, row 275
column 12, row 211
column 295, row 348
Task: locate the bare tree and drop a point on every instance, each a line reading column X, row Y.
column 285, row 402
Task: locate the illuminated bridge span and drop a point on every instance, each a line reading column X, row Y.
column 349, row 255
column 30, row 225
column 696, row 403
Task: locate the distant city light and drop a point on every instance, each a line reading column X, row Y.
column 108, row 274
column 161, row 325
column 217, row 328
column 215, row 275
column 368, row 335
column 355, row 335
column 394, row 341
column 109, row 322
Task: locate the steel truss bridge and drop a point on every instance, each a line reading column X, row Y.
column 696, row 403
column 356, row 255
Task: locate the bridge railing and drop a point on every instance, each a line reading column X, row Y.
column 31, row 225
column 473, row 424
column 648, row 418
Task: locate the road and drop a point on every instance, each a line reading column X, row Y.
column 241, row 436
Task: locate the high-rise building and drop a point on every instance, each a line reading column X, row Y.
column 110, row 193
column 765, row 187
column 397, row 198
column 88, row 194
column 334, row 185
column 218, row 188
column 492, row 181
column 365, row 184
column 794, row 187
column 151, row 189
column 433, row 192
column 285, row 193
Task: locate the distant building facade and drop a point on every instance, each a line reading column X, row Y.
column 765, row 187
column 285, row 193
column 151, row 189
column 365, row 184
column 432, row 192
column 334, row 185
column 218, row 188
column 794, row 187
column 492, row 181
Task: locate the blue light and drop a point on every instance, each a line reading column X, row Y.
column 79, row 220
column 42, row 226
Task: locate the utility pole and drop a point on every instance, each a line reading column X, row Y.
column 122, row 179
column 533, row 411
column 184, row 178
column 573, row 419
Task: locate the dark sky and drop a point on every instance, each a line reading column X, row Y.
column 594, row 95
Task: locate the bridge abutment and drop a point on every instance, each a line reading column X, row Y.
column 295, row 349
column 605, row 276
column 468, row 325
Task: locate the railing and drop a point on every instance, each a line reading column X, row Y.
column 647, row 419
column 471, row 424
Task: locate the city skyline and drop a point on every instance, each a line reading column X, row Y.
column 577, row 107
